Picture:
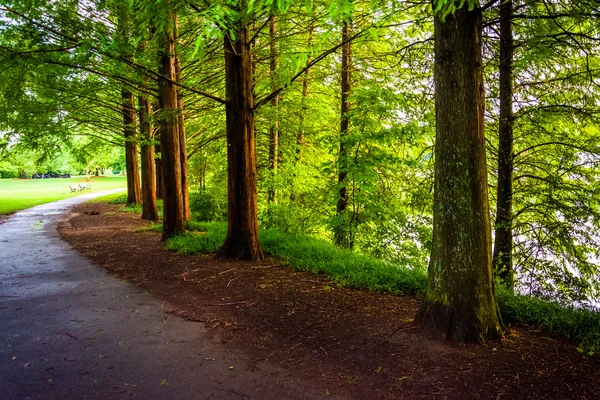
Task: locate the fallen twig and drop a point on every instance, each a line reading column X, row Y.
column 234, row 279
column 228, row 304
column 266, row 266
column 294, row 346
column 408, row 328
column 229, row 270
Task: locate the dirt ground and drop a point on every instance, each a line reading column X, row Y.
column 351, row 344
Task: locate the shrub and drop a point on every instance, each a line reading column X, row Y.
column 208, row 206
column 4, row 174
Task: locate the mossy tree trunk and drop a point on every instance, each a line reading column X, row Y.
column 502, row 259
column 242, row 241
column 460, row 301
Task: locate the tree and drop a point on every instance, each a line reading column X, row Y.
column 503, row 244
column 173, row 211
column 459, row 301
column 343, row 229
column 242, row 239
column 149, row 210
column 274, row 128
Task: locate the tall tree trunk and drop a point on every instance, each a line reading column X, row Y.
column 131, row 155
column 460, row 301
column 173, row 215
column 149, row 210
column 305, row 82
column 274, row 129
column 157, row 155
column 187, row 215
column 242, row 239
column 158, row 169
column 342, row 230
column 503, row 244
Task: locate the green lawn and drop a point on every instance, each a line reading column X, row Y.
column 18, row 194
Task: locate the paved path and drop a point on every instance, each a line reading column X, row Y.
column 68, row 330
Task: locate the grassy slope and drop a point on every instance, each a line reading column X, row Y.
column 18, row 194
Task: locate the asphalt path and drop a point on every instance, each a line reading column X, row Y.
column 69, row 330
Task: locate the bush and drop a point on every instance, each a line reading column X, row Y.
column 208, row 206
column 4, row 174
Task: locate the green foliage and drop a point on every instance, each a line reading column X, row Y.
column 119, row 199
column 132, row 208
column 446, row 7
column 208, row 206
column 207, row 237
column 580, row 325
column 11, row 174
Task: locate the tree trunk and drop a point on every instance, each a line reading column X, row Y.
column 305, row 82
column 173, row 215
column 242, row 240
column 131, row 155
column 187, row 215
column 274, row 129
column 502, row 259
column 342, row 230
column 149, row 210
column 157, row 161
column 460, row 302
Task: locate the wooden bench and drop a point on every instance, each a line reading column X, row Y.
column 84, row 187
column 73, row 188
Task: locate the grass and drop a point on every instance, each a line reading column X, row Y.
column 119, row 198
column 358, row 271
column 19, row 194
column 306, row 253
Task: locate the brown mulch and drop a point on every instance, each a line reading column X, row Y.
column 352, row 344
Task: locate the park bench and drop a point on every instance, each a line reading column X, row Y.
column 73, row 188
column 84, row 187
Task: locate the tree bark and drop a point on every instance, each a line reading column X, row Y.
column 305, row 83
column 173, row 214
column 157, row 157
column 158, row 168
column 460, row 302
column 242, row 241
column 342, row 230
column 502, row 259
column 131, row 154
column 274, row 129
column 187, row 214
column 149, row 210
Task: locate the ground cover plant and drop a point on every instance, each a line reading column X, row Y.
column 19, row 194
